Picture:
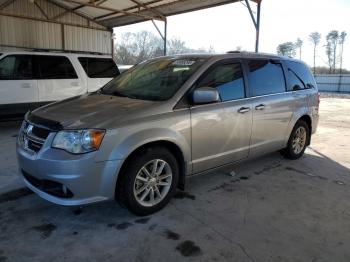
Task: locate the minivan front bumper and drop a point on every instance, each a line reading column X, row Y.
column 66, row 179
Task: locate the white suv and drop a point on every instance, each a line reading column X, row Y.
column 31, row 79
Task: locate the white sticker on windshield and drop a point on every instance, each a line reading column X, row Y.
column 183, row 62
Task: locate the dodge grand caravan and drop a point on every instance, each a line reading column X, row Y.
column 139, row 136
column 31, row 79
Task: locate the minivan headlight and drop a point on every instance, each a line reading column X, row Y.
column 78, row 141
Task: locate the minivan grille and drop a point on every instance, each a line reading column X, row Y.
column 33, row 137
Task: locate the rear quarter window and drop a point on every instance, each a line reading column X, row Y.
column 265, row 77
column 299, row 76
column 54, row 67
column 99, row 67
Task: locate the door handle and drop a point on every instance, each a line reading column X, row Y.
column 75, row 84
column 243, row 110
column 260, row 107
column 26, row 85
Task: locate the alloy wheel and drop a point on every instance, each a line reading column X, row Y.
column 299, row 140
column 152, row 182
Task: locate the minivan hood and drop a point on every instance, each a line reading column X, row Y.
column 93, row 110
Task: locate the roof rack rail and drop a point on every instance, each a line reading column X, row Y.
column 64, row 51
column 233, row 52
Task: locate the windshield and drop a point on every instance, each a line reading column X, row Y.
column 154, row 80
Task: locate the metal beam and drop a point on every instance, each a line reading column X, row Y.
column 160, row 33
column 6, row 3
column 66, row 12
column 78, row 14
column 51, row 21
column 164, row 35
column 168, row 8
column 112, row 9
column 153, row 10
column 256, row 21
column 41, row 10
column 251, row 13
column 63, row 38
column 126, row 9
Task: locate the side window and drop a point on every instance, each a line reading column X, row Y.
column 265, row 77
column 16, row 67
column 227, row 79
column 55, row 67
column 295, row 83
column 99, row 67
column 300, row 71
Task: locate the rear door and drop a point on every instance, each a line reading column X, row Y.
column 272, row 106
column 221, row 131
column 99, row 71
column 57, row 78
column 18, row 85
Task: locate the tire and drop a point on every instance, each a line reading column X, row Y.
column 138, row 180
column 296, row 148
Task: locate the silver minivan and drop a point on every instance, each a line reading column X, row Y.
column 138, row 137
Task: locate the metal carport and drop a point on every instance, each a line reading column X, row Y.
column 68, row 18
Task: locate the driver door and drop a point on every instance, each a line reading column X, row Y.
column 221, row 131
column 18, row 86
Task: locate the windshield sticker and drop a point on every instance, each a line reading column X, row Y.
column 183, row 62
column 177, row 69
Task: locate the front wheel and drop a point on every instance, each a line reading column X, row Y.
column 298, row 141
column 148, row 181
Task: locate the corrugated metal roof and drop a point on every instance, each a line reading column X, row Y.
column 113, row 13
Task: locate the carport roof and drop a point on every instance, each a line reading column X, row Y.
column 114, row 13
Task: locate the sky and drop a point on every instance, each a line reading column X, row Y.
column 226, row 27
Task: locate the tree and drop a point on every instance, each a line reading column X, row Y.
column 331, row 49
column 133, row 48
column 315, row 38
column 286, row 49
column 341, row 43
column 176, row 46
column 298, row 44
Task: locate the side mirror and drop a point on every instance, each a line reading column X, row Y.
column 205, row 95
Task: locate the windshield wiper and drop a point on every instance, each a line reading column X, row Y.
column 117, row 93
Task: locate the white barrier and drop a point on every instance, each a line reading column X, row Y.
column 333, row 83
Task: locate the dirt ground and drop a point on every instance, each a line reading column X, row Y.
column 269, row 209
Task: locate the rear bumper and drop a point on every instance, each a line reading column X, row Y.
column 85, row 180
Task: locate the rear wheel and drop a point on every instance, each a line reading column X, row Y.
column 298, row 141
column 149, row 181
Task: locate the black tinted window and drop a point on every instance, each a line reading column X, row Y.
column 16, row 67
column 295, row 83
column 302, row 73
column 227, row 79
column 265, row 77
column 99, row 67
column 55, row 67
